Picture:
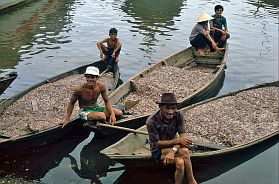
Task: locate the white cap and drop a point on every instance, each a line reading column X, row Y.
column 204, row 17
column 91, row 70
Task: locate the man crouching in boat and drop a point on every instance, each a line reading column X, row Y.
column 87, row 95
column 162, row 128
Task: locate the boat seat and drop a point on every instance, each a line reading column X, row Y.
column 142, row 151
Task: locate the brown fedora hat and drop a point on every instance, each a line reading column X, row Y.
column 168, row 98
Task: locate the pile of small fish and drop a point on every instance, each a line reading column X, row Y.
column 236, row 119
column 182, row 82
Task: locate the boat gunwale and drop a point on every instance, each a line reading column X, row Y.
column 203, row 154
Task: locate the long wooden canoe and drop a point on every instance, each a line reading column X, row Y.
column 187, row 59
column 34, row 139
column 6, row 80
column 133, row 151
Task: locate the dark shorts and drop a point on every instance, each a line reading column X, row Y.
column 200, row 42
column 110, row 51
column 156, row 155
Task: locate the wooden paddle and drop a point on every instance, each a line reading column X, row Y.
column 103, row 72
column 201, row 144
column 122, row 128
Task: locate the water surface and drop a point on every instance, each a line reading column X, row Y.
column 47, row 37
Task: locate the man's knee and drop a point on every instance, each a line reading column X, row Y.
column 179, row 163
column 117, row 112
column 228, row 36
column 185, row 152
column 96, row 116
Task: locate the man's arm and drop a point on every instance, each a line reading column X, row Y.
column 99, row 46
column 225, row 31
column 118, row 46
column 182, row 140
column 107, row 103
column 215, row 28
column 70, row 108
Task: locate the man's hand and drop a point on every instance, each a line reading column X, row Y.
column 185, row 141
column 169, row 158
column 112, row 118
column 64, row 122
column 101, row 56
column 113, row 55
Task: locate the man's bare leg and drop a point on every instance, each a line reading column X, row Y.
column 104, row 50
column 99, row 116
column 179, row 172
column 201, row 52
column 188, row 165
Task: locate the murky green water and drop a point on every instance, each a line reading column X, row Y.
column 48, row 37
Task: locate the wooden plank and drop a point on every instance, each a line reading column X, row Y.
column 205, row 60
column 142, row 151
column 34, row 105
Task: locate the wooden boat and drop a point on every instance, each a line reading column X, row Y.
column 6, row 80
column 133, row 151
column 34, row 139
column 188, row 59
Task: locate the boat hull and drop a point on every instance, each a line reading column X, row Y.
column 6, row 81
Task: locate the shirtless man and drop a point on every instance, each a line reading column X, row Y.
column 87, row 95
column 113, row 46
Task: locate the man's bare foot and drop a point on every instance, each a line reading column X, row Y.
column 193, row 181
column 201, row 52
column 218, row 50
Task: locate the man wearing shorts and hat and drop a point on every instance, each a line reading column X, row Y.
column 87, row 95
column 165, row 146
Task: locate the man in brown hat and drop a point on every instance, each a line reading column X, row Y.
column 166, row 147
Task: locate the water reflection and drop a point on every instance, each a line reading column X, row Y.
column 38, row 30
column 93, row 165
column 35, row 165
column 151, row 17
column 265, row 4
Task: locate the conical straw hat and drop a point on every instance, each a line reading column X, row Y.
column 204, row 17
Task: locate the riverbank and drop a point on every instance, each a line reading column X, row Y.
column 9, row 5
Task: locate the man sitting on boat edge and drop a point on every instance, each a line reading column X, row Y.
column 87, row 95
column 162, row 128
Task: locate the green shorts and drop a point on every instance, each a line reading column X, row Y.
column 85, row 111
